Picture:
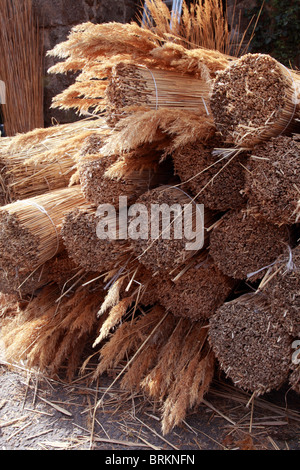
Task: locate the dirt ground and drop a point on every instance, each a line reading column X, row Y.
column 38, row 413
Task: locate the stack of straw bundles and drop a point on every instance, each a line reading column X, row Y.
column 174, row 314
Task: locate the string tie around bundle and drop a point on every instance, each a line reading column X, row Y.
column 155, row 85
column 44, row 211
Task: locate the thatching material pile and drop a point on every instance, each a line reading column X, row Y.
column 166, row 311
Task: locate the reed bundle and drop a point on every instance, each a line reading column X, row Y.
column 243, row 246
column 133, row 85
column 101, row 183
column 42, row 160
column 164, row 235
column 41, row 140
column 21, row 66
column 57, row 271
column 254, row 99
column 218, row 183
column 30, row 229
column 272, row 180
column 196, row 289
column 251, row 345
column 53, row 335
column 281, row 285
column 85, row 248
column 167, row 358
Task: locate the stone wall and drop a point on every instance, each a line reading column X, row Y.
column 56, row 18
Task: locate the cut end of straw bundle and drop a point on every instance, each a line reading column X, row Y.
column 252, row 347
column 163, row 241
column 243, row 247
column 282, row 286
column 216, row 182
column 273, row 180
column 22, row 285
column 85, row 248
column 30, row 229
column 195, row 292
column 253, row 99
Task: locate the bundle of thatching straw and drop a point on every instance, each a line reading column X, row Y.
column 174, row 314
column 21, row 67
column 137, row 85
column 254, row 99
column 42, row 160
